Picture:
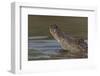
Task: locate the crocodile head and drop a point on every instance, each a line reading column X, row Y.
column 53, row 28
column 55, row 32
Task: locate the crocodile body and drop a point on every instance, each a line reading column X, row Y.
column 68, row 43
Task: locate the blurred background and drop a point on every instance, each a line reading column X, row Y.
column 76, row 26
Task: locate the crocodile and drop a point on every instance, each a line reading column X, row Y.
column 75, row 46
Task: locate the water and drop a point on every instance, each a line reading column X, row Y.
column 43, row 49
column 48, row 49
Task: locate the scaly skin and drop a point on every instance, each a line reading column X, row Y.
column 68, row 43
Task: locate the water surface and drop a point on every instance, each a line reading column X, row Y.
column 43, row 49
column 46, row 49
